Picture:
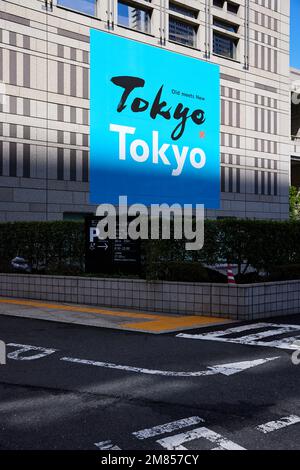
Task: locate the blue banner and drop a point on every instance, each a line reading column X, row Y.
column 155, row 125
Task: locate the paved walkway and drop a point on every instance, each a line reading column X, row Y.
column 104, row 317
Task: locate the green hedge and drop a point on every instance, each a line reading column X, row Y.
column 264, row 245
column 52, row 247
column 58, row 247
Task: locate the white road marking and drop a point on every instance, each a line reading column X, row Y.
column 176, row 442
column 24, row 348
column 229, row 331
column 236, row 367
column 254, row 339
column 280, row 424
column 106, row 445
column 224, row 369
column 168, row 427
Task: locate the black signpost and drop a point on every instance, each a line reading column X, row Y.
column 110, row 256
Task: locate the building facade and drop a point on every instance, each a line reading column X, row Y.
column 44, row 96
column 295, row 128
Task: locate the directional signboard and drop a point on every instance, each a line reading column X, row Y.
column 110, row 256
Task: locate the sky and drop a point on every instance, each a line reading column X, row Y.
column 295, row 33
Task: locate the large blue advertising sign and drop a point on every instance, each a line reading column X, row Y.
column 155, row 125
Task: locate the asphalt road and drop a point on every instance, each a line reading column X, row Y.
column 92, row 388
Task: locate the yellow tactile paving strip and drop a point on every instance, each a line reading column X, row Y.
column 74, row 308
column 151, row 323
column 174, row 324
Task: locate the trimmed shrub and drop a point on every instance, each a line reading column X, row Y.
column 182, row 272
column 263, row 245
column 52, row 247
column 287, row 272
column 269, row 247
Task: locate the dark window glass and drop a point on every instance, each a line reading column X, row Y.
column 13, row 104
column 73, row 114
column 219, row 3
column 85, row 117
column 60, row 164
column 224, row 45
column 12, row 38
column 26, row 106
column 133, row 18
column 233, row 28
column 73, row 165
column 13, row 130
column 262, row 182
column 12, row 159
column 12, row 67
column 232, row 7
column 60, row 112
column 85, row 140
column 222, row 179
column 183, row 10
column 26, row 161
column 182, row 32
column 60, row 137
column 256, row 182
column 85, row 166
column 82, row 6
column 26, row 42
column 60, row 77
column 26, row 132
column 275, row 184
column 269, row 185
column 238, row 180
column 1, row 158
column 73, row 138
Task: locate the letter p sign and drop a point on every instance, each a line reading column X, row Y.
column 94, row 233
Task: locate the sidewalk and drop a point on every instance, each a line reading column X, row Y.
column 129, row 320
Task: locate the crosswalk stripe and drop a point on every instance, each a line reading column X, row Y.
column 168, row 427
column 280, row 424
column 176, row 442
column 228, row 331
column 291, row 343
column 106, row 445
column 267, row 334
column 254, row 339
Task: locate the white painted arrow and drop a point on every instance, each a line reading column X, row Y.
column 104, row 245
column 224, row 369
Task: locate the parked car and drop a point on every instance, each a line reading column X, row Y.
column 21, row 265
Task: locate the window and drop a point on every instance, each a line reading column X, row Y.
column 26, row 161
column 183, row 10
column 182, row 32
column 83, row 6
column 232, row 8
column 134, row 18
column 219, row 3
column 60, row 163
column 224, row 45
column 231, row 27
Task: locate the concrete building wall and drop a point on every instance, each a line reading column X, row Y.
column 44, row 109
